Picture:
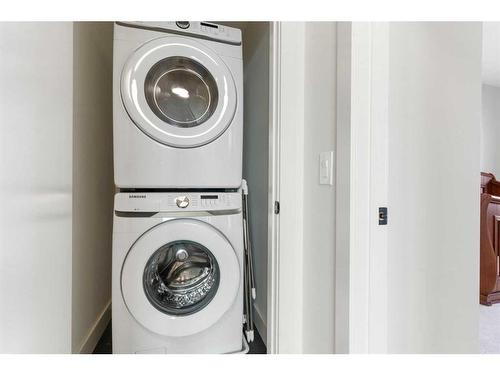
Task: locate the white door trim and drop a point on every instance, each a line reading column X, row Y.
column 342, row 191
column 274, row 188
column 379, row 145
column 285, row 273
column 361, row 175
column 361, row 245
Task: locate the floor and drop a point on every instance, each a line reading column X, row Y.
column 489, row 329
column 105, row 346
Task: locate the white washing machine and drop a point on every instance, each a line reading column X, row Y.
column 177, row 105
column 177, row 273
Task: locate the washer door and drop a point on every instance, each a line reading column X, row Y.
column 178, row 92
column 180, row 277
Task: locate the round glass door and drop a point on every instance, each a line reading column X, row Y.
column 177, row 287
column 181, row 278
column 178, row 92
column 181, row 92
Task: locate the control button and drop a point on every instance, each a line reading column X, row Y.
column 182, row 201
column 182, row 24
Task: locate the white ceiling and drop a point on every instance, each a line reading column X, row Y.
column 491, row 53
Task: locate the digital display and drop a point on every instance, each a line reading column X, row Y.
column 209, row 196
column 209, row 25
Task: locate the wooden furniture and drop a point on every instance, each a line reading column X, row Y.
column 490, row 240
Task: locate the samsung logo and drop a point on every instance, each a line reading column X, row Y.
column 137, row 196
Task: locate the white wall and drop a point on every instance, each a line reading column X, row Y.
column 491, row 54
column 93, row 186
column 433, row 237
column 319, row 200
column 56, row 185
column 35, row 182
column 307, row 95
column 256, row 154
column 490, row 130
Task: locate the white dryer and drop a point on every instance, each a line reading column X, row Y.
column 177, row 105
column 177, row 273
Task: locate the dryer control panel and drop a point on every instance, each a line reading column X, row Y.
column 207, row 30
column 177, row 201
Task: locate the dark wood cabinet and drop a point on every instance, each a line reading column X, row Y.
column 490, row 240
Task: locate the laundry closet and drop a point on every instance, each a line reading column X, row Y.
column 183, row 274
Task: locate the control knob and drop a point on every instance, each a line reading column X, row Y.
column 182, row 24
column 182, row 201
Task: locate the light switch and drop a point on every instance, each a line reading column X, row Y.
column 326, row 168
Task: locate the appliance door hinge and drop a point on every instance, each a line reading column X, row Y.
column 276, row 207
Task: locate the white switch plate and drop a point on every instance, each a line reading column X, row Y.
column 326, row 168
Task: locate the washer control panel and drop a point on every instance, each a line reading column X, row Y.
column 177, row 201
column 201, row 201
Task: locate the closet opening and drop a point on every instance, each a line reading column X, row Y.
column 256, row 159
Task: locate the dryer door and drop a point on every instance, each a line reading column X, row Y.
column 178, row 92
column 180, row 277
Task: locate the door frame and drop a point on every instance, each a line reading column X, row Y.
column 361, row 188
column 362, row 143
column 272, row 339
column 285, row 231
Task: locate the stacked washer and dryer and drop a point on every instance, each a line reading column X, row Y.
column 177, row 235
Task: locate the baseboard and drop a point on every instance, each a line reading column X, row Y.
column 96, row 331
column 260, row 324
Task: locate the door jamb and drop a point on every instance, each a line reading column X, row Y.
column 361, row 175
column 274, row 187
column 285, row 282
column 362, row 143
